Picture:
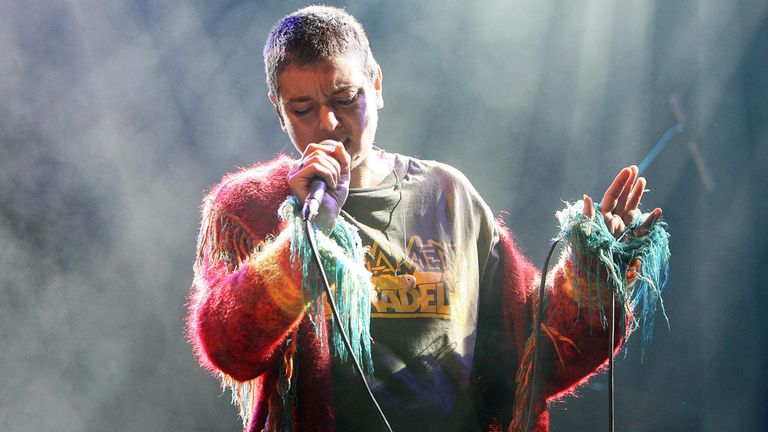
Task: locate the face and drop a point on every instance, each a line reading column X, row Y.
column 330, row 99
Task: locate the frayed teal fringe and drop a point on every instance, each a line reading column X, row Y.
column 342, row 255
column 596, row 251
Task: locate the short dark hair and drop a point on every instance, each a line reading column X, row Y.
column 313, row 34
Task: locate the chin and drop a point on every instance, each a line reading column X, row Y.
column 359, row 157
column 356, row 161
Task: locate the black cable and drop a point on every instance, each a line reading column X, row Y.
column 612, row 343
column 537, row 325
column 537, row 332
column 610, row 362
column 334, row 310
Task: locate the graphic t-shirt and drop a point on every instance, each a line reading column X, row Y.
column 430, row 241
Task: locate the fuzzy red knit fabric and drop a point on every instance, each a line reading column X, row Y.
column 239, row 320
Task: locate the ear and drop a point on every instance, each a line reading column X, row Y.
column 278, row 111
column 379, row 89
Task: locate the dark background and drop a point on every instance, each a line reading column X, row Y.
column 115, row 117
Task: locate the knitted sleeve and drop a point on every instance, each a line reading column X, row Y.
column 573, row 333
column 245, row 299
column 252, row 290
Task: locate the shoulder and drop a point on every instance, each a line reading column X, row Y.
column 438, row 172
column 251, row 194
column 261, row 182
column 463, row 204
column 447, row 180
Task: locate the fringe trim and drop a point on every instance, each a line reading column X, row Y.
column 224, row 239
column 635, row 268
column 343, row 257
column 244, row 395
column 524, row 377
column 281, row 416
column 596, row 252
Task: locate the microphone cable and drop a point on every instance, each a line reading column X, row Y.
column 537, row 330
column 537, row 327
column 537, row 324
column 310, row 232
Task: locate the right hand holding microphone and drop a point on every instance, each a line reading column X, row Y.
column 329, row 161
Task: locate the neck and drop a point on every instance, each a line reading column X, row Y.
column 376, row 166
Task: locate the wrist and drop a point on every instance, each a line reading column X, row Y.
column 325, row 220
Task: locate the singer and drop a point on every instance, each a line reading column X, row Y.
column 435, row 295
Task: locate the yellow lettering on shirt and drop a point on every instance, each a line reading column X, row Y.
column 419, row 285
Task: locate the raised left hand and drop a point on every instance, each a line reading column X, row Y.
column 620, row 202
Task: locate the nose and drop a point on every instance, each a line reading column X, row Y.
column 328, row 120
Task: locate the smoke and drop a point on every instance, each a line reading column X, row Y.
column 115, row 117
column 100, row 187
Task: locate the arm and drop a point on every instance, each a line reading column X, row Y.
column 573, row 336
column 614, row 253
column 245, row 300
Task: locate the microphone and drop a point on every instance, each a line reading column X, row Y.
column 314, row 198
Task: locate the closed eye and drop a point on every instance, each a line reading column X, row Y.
column 300, row 112
column 349, row 101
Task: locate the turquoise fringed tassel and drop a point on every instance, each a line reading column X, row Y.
column 595, row 249
column 601, row 261
column 342, row 256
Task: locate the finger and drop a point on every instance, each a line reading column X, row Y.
column 330, row 144
column 311, row 171
column 589, row 207
column 648, row 223
column 342, row 157
column 326, row 146
column 633, row 201
column 621, row 203
column 328, row 163
column 608, row 203
column 332, row 148
column 336, row 150
column 614, row 224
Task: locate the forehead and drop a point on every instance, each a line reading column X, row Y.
column 325, row 76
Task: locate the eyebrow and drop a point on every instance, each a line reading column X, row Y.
column 299, row 99
column 307, row 98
